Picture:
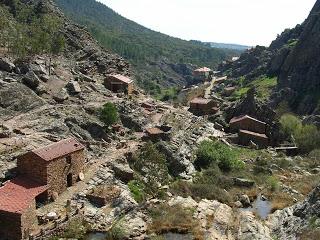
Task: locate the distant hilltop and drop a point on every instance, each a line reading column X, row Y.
column 229, row 46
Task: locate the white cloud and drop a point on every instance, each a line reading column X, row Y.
column 248, row 22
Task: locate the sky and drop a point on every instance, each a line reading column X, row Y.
column 247, row 22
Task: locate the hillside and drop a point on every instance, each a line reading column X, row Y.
column 79, row 161
column 159, row 60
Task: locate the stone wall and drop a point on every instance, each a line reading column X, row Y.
column 10, row 226
column 59, row 169
column 32, row 166
column 15, row 226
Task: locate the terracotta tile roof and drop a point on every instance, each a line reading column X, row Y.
column 59, row 149
column 121, row 78
column 254, row 134
column 240, row 118
column 17, row 194
column 200, row 101
column 154, row 131
column 204, row 69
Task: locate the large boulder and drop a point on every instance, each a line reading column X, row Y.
column 6, row 65
column 31, row 80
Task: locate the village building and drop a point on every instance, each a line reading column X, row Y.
column 43, row 174
column 158, row 133
column 203, row 74
column 118, row 83
column 18, row 199
column 246, row 137
column 57, row 165
column 247, row 123
column 202, row 106
column 228, row 91
column 221, row 79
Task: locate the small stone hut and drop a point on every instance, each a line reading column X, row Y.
column 203, row 74
column 245, row 137
column 201, row 106
column 119, row 83
column 17, row 207
column 247, row 123
column 57, row 165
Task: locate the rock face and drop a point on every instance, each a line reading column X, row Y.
column 290, row 222
column 301, row 69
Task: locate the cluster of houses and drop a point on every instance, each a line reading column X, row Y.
column 43, row 174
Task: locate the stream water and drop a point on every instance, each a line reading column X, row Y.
column 260, row 207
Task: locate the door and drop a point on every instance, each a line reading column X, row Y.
column 69, row 180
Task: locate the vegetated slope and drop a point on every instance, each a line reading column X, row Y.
column 294, row 59
column 159, row 59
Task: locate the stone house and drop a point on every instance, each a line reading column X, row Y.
column 247, row 123
column 245, row 137
column 158, row 133
column 17, row 207
column 201, row 106
column 57, row 165
column 203, row 74
column 119, row 83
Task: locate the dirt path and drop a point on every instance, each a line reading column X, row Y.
column 209, row 89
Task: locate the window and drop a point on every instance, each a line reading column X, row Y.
column 69, row 159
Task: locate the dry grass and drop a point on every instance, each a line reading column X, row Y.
column 175, row 219
column 280, row 200
column 312, row 234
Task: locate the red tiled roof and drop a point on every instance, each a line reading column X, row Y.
column 121, row 78
column 240, row 118
column 17, row 194
column 58, row 149
column 200, row 101
column 154, row 131
column 254, row 134
column 204, row 69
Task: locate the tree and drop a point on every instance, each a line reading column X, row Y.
column 109, row 114
column 151, row 164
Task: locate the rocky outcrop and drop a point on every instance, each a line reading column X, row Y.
column 290, row 222
column 17, row 98
column 301, row 69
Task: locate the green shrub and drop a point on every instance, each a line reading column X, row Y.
column 116, row 233
column 307, row 136
column 273, row 183
column 75, row 229
column 290, row 124
column 109, row 114
column 137, row 190
column 216, row 153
